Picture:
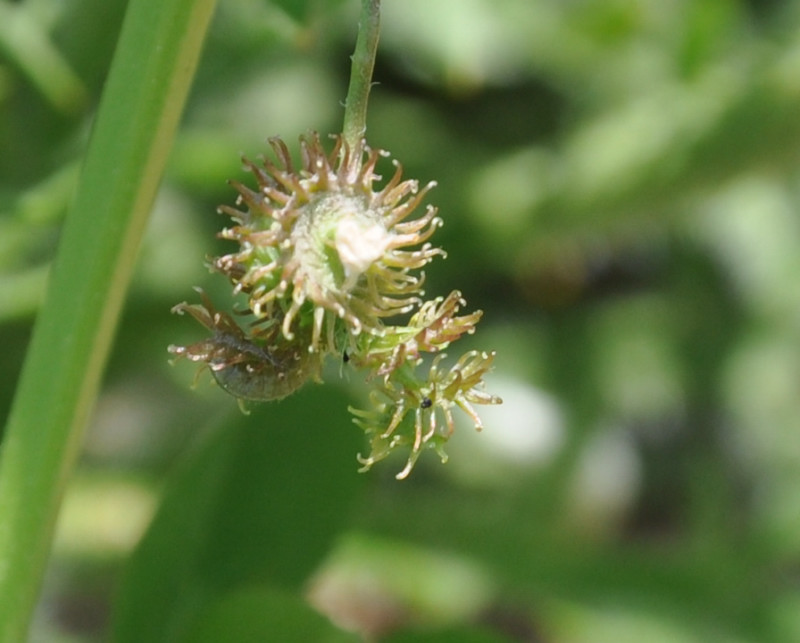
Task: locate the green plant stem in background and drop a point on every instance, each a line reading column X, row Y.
column 24, row 42
column 355, row 107
column 144, row 96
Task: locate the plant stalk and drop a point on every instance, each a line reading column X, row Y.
column 363, row 62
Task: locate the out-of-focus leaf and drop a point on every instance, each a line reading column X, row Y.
column 23, row 40
column 260, row 502
column 259, row 615
column 304, row 11
column 87, row 30
column 454, row 635
column 459, row 45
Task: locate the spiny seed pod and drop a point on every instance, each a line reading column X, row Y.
column 408, row 415
column 320, row 244
column 324, row 257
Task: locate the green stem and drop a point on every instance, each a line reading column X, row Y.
column 355, row 107
column 24, row 41
column 144, row 96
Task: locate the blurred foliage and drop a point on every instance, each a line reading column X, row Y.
column 619, row 183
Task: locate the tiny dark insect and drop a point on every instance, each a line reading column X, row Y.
column 426, row 403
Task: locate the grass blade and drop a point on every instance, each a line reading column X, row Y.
column 144, row 95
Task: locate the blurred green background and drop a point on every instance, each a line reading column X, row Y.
column 620, row 184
